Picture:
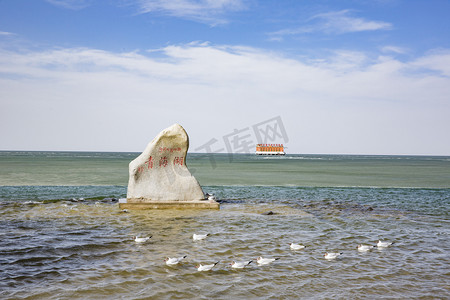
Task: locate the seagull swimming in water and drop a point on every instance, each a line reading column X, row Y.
column 265, row 261
column 210, row 196
column 332, row 255
column 174, row 260
column 199, row 237
column 364, row 248
column 296, row 246
column 201, row 267
column 240, row 265
column 382, row 244
column 141, row 239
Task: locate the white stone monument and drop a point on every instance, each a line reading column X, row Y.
column 159, row 177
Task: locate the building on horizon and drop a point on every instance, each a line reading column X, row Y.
column 270, row 149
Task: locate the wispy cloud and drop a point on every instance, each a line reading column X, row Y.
column 346, row 92
column 71, row 4
column 4, row 33
column 394, row 49
column 437, row 61
column 338, row 22
column 213, row 64
column 231, row 65
column 207, row 11
column 342, row 22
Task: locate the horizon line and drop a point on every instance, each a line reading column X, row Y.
column 232, row 153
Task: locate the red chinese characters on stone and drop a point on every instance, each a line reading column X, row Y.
column 167, row 149
column 163, row 162
column 149, row 162
column 178, row 160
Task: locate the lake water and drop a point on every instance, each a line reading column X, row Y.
column 63, row 236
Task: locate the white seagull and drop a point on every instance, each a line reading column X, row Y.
column 364, row 248
column 198, row 237
column 201, row 267
column 382, row 244
column 210, row 196
column 265, row 261
column 296, row 246
column 241, row 264
column 174, row 260
column 331, row 255
column 141, row 239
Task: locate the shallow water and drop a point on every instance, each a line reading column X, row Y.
column 66, row 249
column 72, row 241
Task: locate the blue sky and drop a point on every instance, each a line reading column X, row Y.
column 346, row 77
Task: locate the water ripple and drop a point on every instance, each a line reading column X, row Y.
column 54, row 252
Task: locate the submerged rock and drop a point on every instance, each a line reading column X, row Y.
column 268, row 213
column 160, row 172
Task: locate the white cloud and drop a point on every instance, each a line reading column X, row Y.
column 341, row 22
column 71, row 4
column 208, row 11
column 438, row 61
column 4, row 33
column 338, row 22
column 88, row 99
column 394, row 49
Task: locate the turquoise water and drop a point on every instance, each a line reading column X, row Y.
column 89, row 168
column 62, row 235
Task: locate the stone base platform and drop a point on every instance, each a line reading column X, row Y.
column 139, row 205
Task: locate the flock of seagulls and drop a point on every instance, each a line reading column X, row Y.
column 360, row 247
column 170, row 261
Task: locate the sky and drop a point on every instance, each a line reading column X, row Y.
column 320, row 76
